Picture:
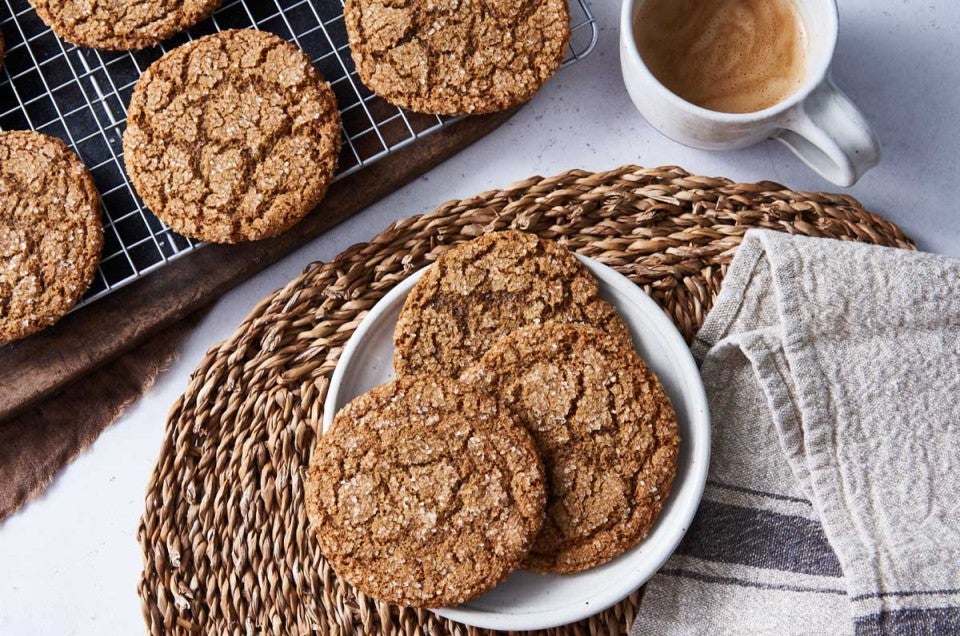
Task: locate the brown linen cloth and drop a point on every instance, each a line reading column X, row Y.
column 39, row 442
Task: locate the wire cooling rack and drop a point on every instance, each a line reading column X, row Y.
column 81, row 96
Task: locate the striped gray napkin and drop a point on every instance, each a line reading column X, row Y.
column 833, row 500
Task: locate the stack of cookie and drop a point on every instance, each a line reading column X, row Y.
column 524, row 431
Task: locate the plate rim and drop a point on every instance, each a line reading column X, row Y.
column 699, row 420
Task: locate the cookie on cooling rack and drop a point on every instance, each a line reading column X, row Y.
column 455, row 58
column 121, row 25
column 606, row 432
column 481, row 290
column 424, row 492
column 232, row 137
column 50, row 232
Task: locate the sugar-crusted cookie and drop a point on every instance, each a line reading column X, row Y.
column 50, row 232
column 121, row 25
column 481, row 290
column 606, row 432
column 457, row 56
column 232, row 137
column 424, row 492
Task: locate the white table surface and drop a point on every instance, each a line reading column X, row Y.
column 69, row 561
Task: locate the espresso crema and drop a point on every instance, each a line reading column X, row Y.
column 732, row 56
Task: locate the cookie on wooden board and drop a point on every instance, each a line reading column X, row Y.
column 479, row 291
column 456, row 57
column 232, row 137
column 606, row 432
column 121, row 25
column 50, row 232
column 424, row 492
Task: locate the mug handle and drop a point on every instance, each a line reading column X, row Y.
column 830, row 134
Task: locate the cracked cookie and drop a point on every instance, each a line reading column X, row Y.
column 50, row 232
column 121, row 25
column 479, row 291
column 232, row 137
column 424, row 492
column 606, row 432
column 456, row 57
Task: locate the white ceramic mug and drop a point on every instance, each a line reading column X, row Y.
column 818, row 122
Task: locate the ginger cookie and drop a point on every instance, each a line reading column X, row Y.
column 457, row 57
column 424, row 492
column 232, row 137
column 479, row 291
column 121, row 25
column 50, row 232
column 606, row 432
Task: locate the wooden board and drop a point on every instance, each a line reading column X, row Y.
column 85, row 339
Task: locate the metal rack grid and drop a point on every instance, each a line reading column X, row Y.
column 81, row 95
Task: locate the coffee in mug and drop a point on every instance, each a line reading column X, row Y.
column 764, row 65
column 731, row 56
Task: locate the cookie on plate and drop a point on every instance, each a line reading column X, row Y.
column 50, row 232
column 424, row 492
column 606, row 432
column 456, row 57
column 232, row 137
column 479, row 291
column 121, row 25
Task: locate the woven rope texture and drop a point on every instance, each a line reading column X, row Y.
column 227, row 546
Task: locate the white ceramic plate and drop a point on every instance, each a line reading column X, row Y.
column 535, row 601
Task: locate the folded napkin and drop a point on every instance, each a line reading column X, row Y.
column 833, row 499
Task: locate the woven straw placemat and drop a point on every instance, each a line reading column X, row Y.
column 227, row 547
